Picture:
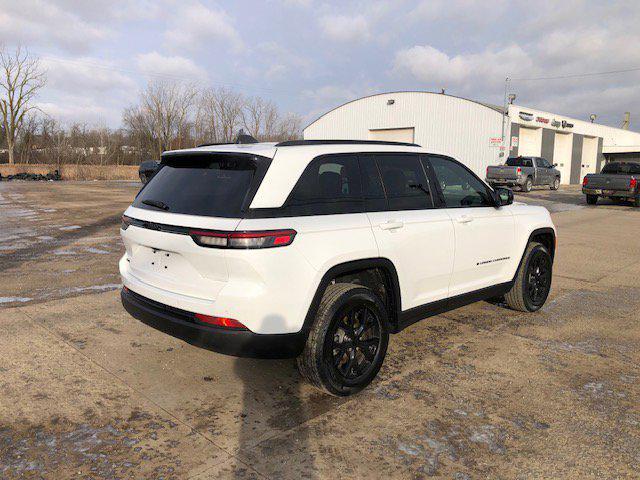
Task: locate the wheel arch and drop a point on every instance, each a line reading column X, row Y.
column 351, row 269
column 544, row 235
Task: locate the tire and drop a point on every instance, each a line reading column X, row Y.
column 636, row 201
column 556, row 184
column 533, row 280
column 333, row 366
column 528, row 185
column 592, row 199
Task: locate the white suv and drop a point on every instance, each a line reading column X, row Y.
column 320, row 249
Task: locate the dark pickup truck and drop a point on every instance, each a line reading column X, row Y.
column 617, row 181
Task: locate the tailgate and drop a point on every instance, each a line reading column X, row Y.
column 609, row 182
column 502, row 172
column 175, row 263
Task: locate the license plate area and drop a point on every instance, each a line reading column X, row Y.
column 608, row 192
column 159, row 262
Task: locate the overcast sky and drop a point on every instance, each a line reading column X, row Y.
column 311, row 56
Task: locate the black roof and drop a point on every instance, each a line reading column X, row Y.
column 297, row 143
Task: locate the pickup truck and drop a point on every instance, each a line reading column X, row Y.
column 617, row 180
column 524, row 172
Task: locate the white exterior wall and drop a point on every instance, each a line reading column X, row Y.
column 442, row 124
column 614, row 139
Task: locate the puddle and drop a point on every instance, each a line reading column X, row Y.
column 14, row 299
column 96, row 250
column 69, row 227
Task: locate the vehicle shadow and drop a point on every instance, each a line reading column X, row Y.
column 274, row 403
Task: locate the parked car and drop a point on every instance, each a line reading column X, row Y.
column 617, row 180
column 147, row 170
column 320, row 249
column 524, row 172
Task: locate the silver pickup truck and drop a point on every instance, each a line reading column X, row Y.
column 524, row 172
column 617, row 180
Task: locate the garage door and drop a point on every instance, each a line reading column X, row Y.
column 589, row 160
column 393, row 134
column 530, row 143
column 562, row 146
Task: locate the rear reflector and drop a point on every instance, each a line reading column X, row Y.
column 519, row 171
column 585, row 180
column 243, row 240
column 633, row 183
column 220, row 321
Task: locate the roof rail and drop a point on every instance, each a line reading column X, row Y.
column 298, row 143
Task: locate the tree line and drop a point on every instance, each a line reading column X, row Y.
column 167, row 115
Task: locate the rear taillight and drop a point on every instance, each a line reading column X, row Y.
column 243, row 240
column 633, row 183
column 585, row 180
column 220, row 322
column 519, row 171
column 126, row 221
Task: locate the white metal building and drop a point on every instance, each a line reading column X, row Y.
column 472, row 132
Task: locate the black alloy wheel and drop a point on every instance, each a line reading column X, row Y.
column 354, row 343
column 538, row 278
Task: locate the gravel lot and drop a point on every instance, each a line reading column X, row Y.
column 481, row 392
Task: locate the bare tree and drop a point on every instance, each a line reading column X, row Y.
column 162, row 115
column 20, row 79
column 229, row 106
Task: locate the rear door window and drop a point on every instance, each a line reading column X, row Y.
column 213, row 185
column 405, row 182
column 329, row 185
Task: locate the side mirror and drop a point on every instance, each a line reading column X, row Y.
column 554, row 165
column 503, row 196
column 147, row 170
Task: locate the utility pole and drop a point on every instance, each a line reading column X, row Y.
column 626, row 121
column 504, row 113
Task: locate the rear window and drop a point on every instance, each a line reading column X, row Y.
column 519, row 162
column 213, row 185
column 622, row 168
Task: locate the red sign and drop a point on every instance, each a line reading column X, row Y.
column 542, row 120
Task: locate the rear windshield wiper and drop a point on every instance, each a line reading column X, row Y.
column 157, row 204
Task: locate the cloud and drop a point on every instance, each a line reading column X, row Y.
column 345, row 28
column 85, row 75
column 153, row 63
column 196, row 27
column 37, row 22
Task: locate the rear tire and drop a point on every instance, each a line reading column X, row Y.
column 556, row 184
column 528, row 185
column 533, row 280
column 347, row 342
column 636, row 201
column 592, row 199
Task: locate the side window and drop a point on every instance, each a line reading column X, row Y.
column 404, row 182
column 329, row 185
column 542, row 163
column 372, row 190
column 527, row 162
column 460, row 188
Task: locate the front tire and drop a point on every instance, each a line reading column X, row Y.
column 528, row 185
column 592, row 199
column 533, row 280
column 347, row 342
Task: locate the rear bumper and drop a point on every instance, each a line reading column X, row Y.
column 609, row 193
column 239, row 343
column 505, row 182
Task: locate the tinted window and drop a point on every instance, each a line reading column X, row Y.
column 520, row 162
column 372, row 190
column 405, row 183
column 215, row 185
column 330, row 184
column 622, row 168
column 542, row 163
column 460, row 188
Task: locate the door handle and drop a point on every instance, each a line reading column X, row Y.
column 465, row 219
column 390, row 225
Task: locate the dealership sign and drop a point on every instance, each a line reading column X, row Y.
column 495, row 141
column 542, row 120
column 526, row 116
column 558, row 124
